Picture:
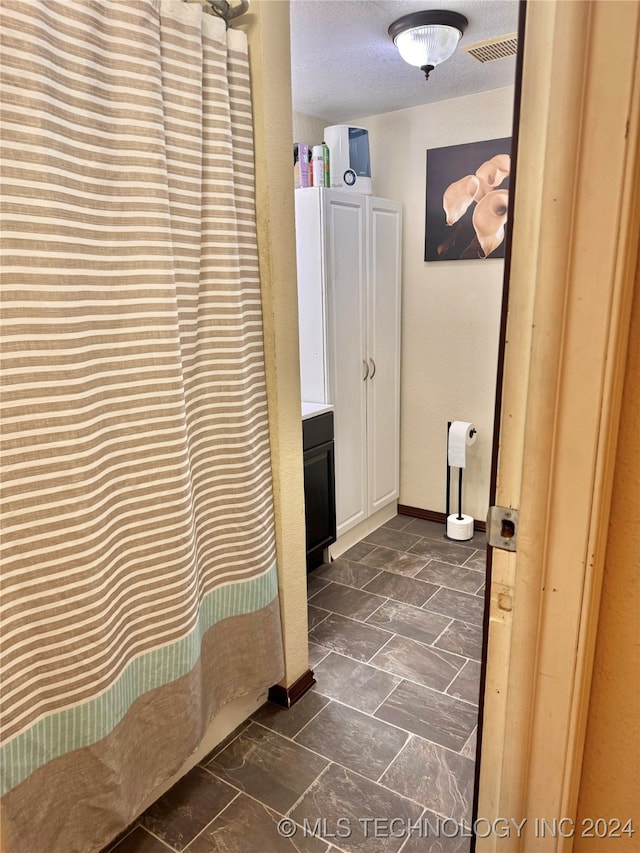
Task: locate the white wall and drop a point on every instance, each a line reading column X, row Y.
column 450, row 310
column 308, row 129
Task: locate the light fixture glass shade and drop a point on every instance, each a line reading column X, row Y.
column 427, row 45
column 425, row 39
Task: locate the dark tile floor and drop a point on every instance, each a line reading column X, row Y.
column 379, row 756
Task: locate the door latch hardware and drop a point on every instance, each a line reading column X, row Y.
column 502, row 527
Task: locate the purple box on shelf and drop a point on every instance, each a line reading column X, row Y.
column 301, row 164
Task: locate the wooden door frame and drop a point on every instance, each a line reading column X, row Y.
column 573, row 261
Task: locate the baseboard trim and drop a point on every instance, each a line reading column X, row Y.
column 432, row 515
column 350, row 537
column 288, row 696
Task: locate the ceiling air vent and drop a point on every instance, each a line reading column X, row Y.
column 498, row 48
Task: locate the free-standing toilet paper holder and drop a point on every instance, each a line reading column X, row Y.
column 460, row 532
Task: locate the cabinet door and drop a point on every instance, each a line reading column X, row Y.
column 383, row 331
column 319, row 500
column 344, row 220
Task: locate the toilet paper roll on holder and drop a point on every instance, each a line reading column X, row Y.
column 459, row 517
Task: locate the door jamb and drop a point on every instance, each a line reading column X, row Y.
column 575, row 243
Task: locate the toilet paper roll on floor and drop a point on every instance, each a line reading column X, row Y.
column 460, row 529
column 462, row 435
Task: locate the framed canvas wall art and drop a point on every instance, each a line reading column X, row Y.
column 467, row 200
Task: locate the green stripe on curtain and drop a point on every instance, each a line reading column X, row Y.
column 85, row 724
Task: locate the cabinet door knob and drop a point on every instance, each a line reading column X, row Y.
column 373, row 368
column 366, row 370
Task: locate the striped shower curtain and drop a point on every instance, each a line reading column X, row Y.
column 139, row 589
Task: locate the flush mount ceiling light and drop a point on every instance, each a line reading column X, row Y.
column 426, row 39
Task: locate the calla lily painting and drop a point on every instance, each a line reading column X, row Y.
column 467, row 200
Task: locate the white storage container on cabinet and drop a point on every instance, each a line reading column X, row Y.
column 348, row 248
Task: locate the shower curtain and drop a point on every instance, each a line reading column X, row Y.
column 139, row 588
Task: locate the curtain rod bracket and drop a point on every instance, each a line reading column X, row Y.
column 223, row 9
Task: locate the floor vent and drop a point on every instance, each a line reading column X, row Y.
column 498, row 48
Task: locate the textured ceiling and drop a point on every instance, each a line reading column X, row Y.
column 345, row 66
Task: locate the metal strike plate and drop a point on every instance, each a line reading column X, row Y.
column 502, row 527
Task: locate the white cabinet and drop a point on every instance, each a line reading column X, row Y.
column 348, row 250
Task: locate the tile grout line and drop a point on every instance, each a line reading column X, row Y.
column 204, row 828
column 338, row 763
column 471, row 556
column 377, row 708
column 320, row 646
column 394, row 560
column 396, row 757
column 446, row 628
column 306, row 790
column 112, row 846
column 389, row 723
column 261, row 802
column 480, row 587
column 458, row 565
column 474, row 732
column 349, row 769
column 411, row 735
column 436, row 649
column 329, row 612
column 310, row 594
column 382, row 785
column 449, row 616
column 378, row 573
column 311, row 719
column 366, row 621
column 454, row 589
column 411, row 680
column 451, row 682
column 368, row 713
column 350, row 619
column 313, row 594
column 157, row 838
column 407, row 577
column 342, row 583
column 460, row 592
column 429, row 645
column 441, row 585
column 406, row 741
column 423, row 606
column 216, row 750
column 409, row 517
column 388, row 671
column 408, row 837
column 389, row 598
column 346, row 586
column 454, row 618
